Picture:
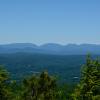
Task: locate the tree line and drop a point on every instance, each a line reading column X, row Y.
column 46, row 87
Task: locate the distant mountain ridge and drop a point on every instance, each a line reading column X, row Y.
column 51, row 48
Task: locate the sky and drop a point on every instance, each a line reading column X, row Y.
column 50, row 21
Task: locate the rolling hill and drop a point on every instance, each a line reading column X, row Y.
column 51, row 48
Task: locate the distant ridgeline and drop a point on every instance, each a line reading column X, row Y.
column 51, row 48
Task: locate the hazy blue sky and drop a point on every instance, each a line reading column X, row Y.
column 43, row 21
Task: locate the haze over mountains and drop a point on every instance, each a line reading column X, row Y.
column 51, row 48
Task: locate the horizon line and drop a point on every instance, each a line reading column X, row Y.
column 49, row 43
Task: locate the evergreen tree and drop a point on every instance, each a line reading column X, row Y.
column 89, row 87
column 39, row 88
column 5, row 90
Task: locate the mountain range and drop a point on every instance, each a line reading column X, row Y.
column 51, row 48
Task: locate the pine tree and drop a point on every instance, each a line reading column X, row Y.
column 39, row 87
column 5, row 90
column 89, row 86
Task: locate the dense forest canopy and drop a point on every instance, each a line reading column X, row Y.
column 65, row 67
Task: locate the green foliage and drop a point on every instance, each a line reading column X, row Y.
column 45, row 87
column 89, row 87
column 39, row 88
column 3, row 74
column 65, row 91
column 5, row 90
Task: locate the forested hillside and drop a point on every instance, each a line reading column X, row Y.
column 66, row 68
